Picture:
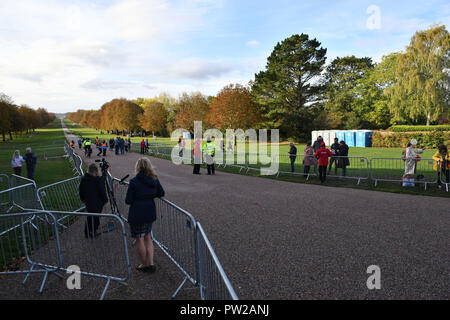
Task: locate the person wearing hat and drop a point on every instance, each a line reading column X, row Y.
column 323, row 154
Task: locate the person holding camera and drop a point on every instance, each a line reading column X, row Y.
column 442, row 165
column 93, row 195
column 142, row 191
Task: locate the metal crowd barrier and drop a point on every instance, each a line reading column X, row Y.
column 44, row 241
column 54, row 153
column 358, row 168
column 4, row 182
column 61, row 196
column 393, row 170
column 299, row 167
column 29, row 245
column 103, row 256
column 214, row 283
column 174, row 232
column 23, row 192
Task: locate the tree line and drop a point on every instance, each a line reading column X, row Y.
column 18, row 119
column 298, row 93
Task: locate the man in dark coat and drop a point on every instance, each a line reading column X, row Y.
column 335, row 151
column 31, row 160
column 343, row 157
column 93, row 195
column 293, row 155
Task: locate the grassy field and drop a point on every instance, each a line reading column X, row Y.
column 48, row 144
column 360, row 166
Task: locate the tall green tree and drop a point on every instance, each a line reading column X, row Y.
column 290, row 84
column 343, row 78
column 423, row 87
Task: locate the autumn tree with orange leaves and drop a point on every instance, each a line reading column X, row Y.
column 154, row 118
column 233, row 108
column 191, row 107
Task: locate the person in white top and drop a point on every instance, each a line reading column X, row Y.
column 411, row 156
column 16, row 162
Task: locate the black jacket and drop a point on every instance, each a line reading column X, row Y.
column 336, row 148
column 343, row 152
column 30, row 159
column 293, row 152
column 140, row 196
column 93, row 193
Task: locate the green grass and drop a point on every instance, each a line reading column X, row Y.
column 46, row 142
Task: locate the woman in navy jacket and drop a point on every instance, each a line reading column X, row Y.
column 140, row 196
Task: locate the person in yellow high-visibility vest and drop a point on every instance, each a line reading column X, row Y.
column 209, row 150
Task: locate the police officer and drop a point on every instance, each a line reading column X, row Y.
column 88, row 149
column 209, row 150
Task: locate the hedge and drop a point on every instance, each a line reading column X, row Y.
column 444, row 127
column 400, row 139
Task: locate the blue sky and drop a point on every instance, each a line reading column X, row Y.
column 65, row 55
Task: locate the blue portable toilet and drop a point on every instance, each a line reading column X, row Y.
column 364, row 138
column 361, row 138
column 340, row 135
column 369, row 135
column 350, row 138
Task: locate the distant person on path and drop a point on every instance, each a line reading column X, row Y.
column 335, row 151
column 116, row 145
column 442, row 164
column 308, row 158
column 343, row 161
column 111, row 144
column 80, row 143
column 142, row 146
column 209, row 150
column 31, row 160
column 146, row 145
column 16, row 163
column 197, row 152
column 293, row 156
column 142, row 191
column 181, row 145
column 323, row 154
column 122, row 146
column 93, row 195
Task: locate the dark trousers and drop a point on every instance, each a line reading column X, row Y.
column 17, row 171
column 323, row 173
column 142, row 150
column 292, row 164
column 100, row 151
column 211, row 168
column 30, row 171
column 117, row 150
column 91, row 227
column 306, row 170
column 447, row 177
column 335, row 162
column 196, row 169
column 104, row 151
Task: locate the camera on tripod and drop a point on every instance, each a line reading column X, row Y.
column 104, row 165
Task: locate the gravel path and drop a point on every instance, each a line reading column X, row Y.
column 281, row 240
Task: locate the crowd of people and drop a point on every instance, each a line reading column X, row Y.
column 320, row 157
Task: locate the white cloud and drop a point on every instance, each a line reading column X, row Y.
column 253, row 43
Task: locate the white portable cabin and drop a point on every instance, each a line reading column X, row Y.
column 314, row 136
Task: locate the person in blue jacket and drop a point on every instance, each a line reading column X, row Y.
column 142, row 191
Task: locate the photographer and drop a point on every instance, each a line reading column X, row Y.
column 93, row 195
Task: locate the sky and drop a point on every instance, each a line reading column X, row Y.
column 65, row 55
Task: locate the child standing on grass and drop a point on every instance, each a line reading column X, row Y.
column 16, row 163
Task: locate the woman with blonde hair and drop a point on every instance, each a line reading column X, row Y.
column 16, row 162
column 142, row 191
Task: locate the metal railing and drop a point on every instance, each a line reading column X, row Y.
column 61, row 196
column 27, row 245
column 42, row 242
column 214, row 283
column 394, row 170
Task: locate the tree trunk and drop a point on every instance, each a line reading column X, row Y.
column 428, row 119
column 10, row 136
column 3, row 134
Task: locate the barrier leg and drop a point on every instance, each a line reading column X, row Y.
column 105, row 289
column 179, row 288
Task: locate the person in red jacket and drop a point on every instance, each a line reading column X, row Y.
column 323, row 154
column 142, row 146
